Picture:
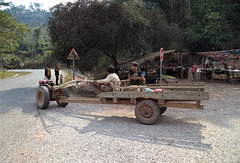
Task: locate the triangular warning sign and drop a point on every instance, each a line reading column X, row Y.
column 73, row 55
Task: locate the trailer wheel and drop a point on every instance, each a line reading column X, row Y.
column 162, row 110
column 147, row 112
column 64, row 93
column 42, row 97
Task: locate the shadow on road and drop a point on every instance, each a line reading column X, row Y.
column 19, row 98
column 167, row 131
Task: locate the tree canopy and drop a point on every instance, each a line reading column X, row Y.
column 10, row 33
column 110, row 32
column 113, row 29
column 24, row 36
column 33, row 16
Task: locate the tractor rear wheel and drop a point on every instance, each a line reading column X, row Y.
column 147, row 112
column 42, row 97
column 65, row 94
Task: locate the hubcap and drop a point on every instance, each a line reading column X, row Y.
column 146, row 112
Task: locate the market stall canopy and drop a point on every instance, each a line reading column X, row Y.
column 221, row 54
column 168, row 55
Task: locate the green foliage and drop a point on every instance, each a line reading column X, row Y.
column 204, row 25
column 10, row 32
column 108, row 28
column 214, row 26
column 31, row 46
column 33, row 17
column 6, row 74
column 109, row 32
column 10, row 61
column 35, row 48
column 160, row 33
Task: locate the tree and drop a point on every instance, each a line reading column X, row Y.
column 160, row 33
column 35, row 45
column 33, row 17
column 10, row 33
column 102, row 28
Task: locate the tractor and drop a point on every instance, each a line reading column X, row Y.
column 47, row 92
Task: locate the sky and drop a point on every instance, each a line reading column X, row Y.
column 46, row 3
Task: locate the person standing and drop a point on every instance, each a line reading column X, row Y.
column 57, row 74
column 194, row 71
column 48, row 72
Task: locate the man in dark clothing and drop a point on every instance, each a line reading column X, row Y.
column 48, row 72
column 135, row 76
column 57, row 74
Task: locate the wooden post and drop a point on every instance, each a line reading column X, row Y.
column 228, row 61
column 73, row 67
column 202, row 61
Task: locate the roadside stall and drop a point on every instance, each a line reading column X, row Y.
column 221, row 65
column 172, row 65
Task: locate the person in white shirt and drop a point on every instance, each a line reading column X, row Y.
column 111, row 81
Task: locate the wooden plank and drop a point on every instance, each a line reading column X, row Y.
column 183, row 105
column 179, row 95
column 173, row 88
column 115, row 100
column 163, row 87
column 186, row 95
column 134, row 100
column 180, row 84
column 82, row 100
column 160, row 101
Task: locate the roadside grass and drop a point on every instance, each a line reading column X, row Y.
column 9, row 74
column 67, row 76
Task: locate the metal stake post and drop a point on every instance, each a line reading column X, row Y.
column 160, row 72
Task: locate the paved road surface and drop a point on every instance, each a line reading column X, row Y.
column 110, row 133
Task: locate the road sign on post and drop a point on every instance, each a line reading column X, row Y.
column 161, row 59
column 73, row 56
column 22, row 64
column 161, row 54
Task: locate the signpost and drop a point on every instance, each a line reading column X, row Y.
column 22, row 64
column 161, row 59
column 73, row 56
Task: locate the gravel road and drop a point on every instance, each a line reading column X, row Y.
column 110, row 133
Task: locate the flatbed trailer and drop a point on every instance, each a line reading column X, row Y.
column 149, row 105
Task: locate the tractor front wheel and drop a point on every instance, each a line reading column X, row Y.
column 42, row 97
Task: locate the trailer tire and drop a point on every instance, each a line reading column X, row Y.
column 65, row 93
column 42, row 97
column 162, row 110
column 147, row 112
